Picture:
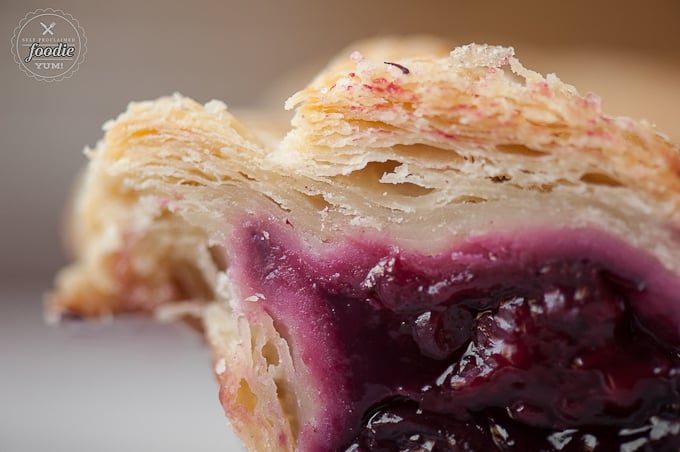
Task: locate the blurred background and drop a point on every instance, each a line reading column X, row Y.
column 626, row 51
column 73, row 386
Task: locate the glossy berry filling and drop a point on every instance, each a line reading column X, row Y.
column 547, row 340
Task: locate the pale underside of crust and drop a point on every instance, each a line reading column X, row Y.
column 439, row 144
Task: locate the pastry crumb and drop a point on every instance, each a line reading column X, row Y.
column 220, row 366
column 476, row 55
column 215, row 107
column 255, row 297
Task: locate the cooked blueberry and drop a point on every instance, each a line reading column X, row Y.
column 531, row 350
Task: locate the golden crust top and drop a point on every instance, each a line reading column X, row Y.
column 477, row 101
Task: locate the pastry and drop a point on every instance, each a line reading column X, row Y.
column 447, row 251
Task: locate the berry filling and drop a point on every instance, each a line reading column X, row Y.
column 546, row 340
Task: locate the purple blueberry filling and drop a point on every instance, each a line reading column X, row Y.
column 547, row 340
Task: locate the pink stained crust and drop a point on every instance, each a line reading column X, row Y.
column 268, row 258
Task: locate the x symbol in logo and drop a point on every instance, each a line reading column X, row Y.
column 48, row 29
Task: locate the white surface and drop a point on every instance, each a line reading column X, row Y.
column 129, row 385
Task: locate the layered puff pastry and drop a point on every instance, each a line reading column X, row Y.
column 447, row 251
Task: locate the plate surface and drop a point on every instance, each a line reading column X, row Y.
column 128, row 385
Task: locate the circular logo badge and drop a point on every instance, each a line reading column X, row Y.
column 49, row 45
